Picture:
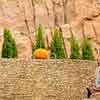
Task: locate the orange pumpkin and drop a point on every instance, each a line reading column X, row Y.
column 41, row 54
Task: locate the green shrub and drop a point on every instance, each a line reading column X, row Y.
column 39, row 38
column 57, row 47
column 75, row 50
column 87, row 53
column 9, row 49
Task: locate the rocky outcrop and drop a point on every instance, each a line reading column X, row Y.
column 81, row 15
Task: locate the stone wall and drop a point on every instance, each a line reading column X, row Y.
column 45, row 79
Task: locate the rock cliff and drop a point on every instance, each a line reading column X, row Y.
column 82, row 16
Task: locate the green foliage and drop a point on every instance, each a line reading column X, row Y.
column 39, row 38
column 75, row 50
column 87, row 53
column 9, row 49
column 57, row 46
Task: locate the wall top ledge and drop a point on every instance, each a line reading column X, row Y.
column 48, row 60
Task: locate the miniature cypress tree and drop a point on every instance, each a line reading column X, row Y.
column 39, row 38
column 75, row 50
column 9, row 49
column 87, row 53
column 57, row 46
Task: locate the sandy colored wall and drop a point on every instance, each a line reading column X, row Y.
column 45, row 79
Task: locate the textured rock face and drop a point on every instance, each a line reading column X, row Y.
column 81, row 15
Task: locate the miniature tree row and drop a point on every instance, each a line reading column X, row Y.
column 87, row 52
column 57, row 49
column 57, row 46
